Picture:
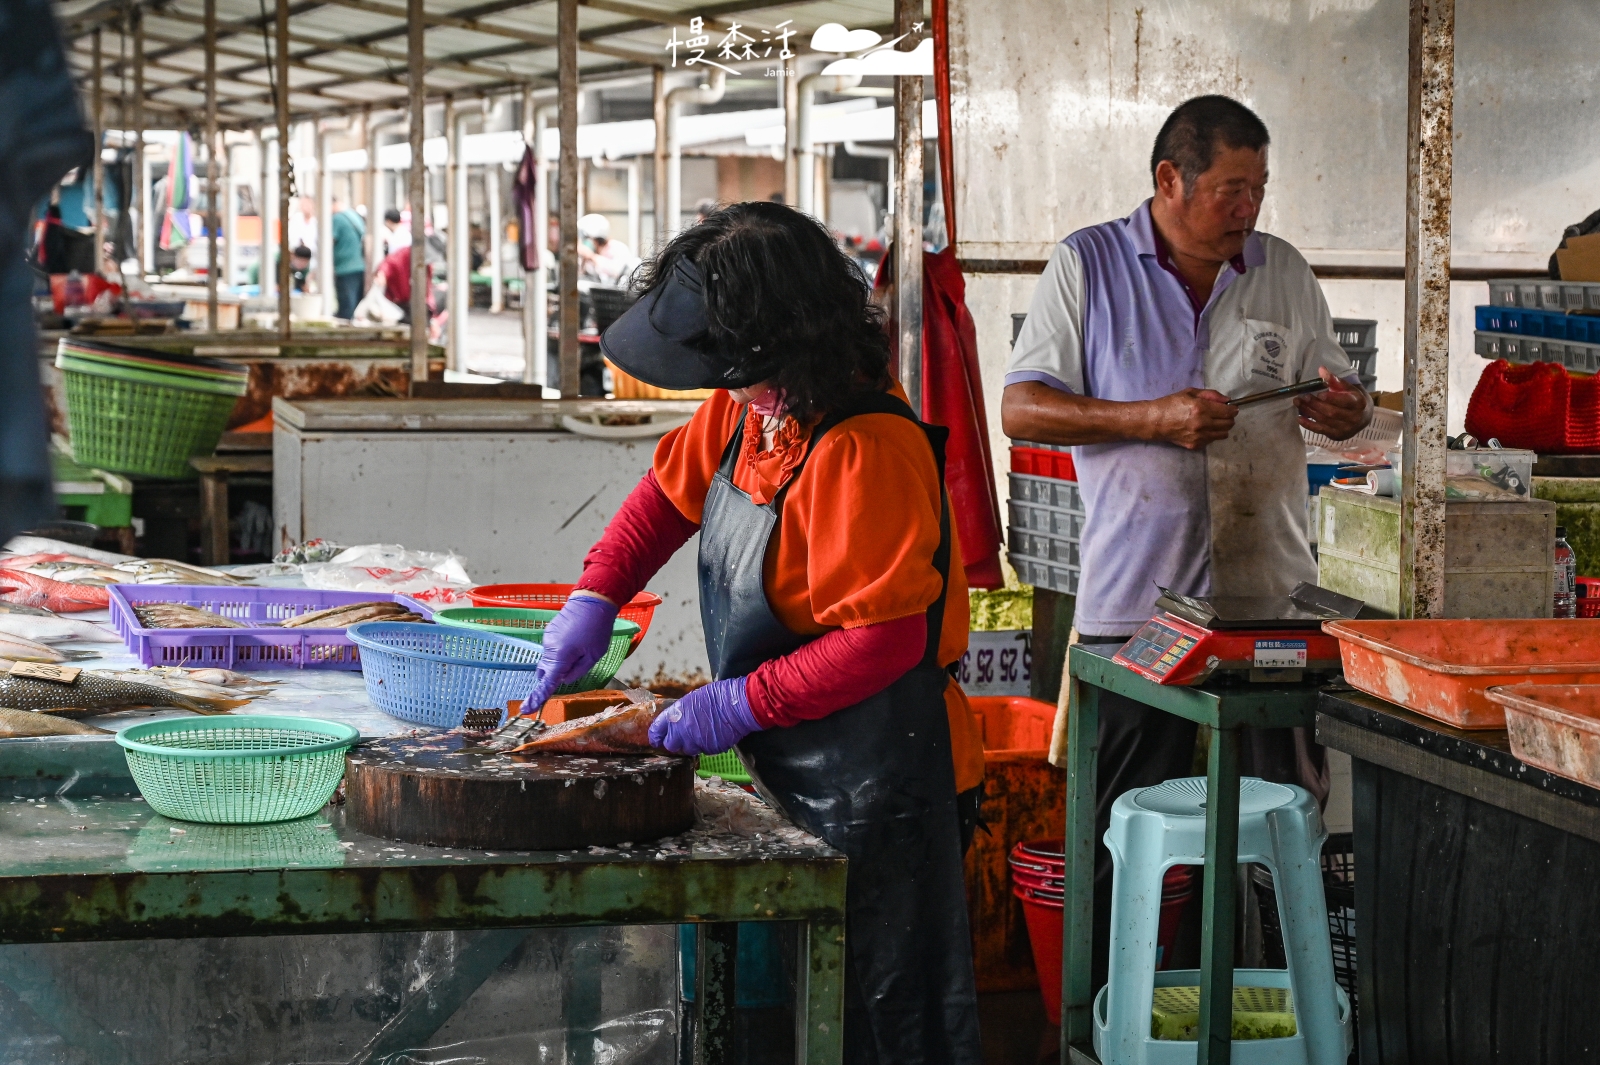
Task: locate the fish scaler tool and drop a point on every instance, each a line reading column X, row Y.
column 1265, row 639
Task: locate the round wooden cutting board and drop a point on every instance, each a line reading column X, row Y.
column 442, row 789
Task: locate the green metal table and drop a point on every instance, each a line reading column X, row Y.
column 82, row 858
column 1223, row 706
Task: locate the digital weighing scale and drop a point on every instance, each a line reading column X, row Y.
column 1267, row 639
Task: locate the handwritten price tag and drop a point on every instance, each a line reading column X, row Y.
column 46, row 671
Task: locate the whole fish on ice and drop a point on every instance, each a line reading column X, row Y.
column 15, row 724
column 30, row 589
column 22, row 649
column 51, row 629
column 91, row 694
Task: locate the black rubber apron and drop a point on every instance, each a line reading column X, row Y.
column 875, row 780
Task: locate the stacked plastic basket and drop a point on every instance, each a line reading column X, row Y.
column 1046, row 516
column 1538, row 320
column 145, row 413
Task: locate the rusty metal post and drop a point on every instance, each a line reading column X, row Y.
column 908, row 215
column 285, row 173
column 416, row 181
column 567, row 117
column 141, row 241
column 658, row 110
column 266, row 200
column 212, row 170
column 99, row 170
column 1429, row 105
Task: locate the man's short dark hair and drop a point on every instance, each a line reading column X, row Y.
column 1190, row 135
column 301, row 252
column 392, row 215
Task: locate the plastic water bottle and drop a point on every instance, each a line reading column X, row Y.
column 1566, row 601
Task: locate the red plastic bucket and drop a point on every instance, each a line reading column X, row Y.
column 1042, row 905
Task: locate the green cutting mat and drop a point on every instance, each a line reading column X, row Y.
column 1258, row 1013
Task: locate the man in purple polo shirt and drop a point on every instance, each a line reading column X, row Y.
column 1139, row 331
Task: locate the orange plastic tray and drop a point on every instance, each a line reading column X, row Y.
column 1555, row 727
column 1443, row 669
column 640, row 609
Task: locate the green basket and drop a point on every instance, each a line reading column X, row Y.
column 725, row 765
column 529, row 624
column 142, row 422
column 241, row 769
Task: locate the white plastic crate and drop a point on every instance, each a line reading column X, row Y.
column 1517, row 347
column 1356, row 332
column 1049, row 576
column 1034, row 517
column 1043, row 547
column 1046, row 491
column 1382, row 432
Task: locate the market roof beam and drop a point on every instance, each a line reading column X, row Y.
column 253, row 27
column 542, row 40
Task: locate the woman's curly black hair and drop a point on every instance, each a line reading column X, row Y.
column 783, row 300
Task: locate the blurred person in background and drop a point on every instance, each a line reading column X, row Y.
column 349, row 263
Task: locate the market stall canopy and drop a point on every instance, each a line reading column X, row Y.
column 346, row 55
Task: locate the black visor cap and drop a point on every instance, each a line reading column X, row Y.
column 660, row 339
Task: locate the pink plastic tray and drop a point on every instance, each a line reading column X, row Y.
column 261, row 646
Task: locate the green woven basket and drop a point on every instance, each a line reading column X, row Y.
column 144, row 422
column 242, row 769
column 529, row 624
column 725, row 765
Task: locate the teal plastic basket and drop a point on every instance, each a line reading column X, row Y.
column 529, row 624
column 239, row 769
column 725, row 765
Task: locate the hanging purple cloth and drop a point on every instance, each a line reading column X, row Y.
column 522, row 194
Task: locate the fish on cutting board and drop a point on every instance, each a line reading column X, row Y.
column 181, row 616
column 622, row 730
column 22, row 649
column 30, row 589
column 342, row 617
column 51, row 629
column 90, row 694
column 16, row 724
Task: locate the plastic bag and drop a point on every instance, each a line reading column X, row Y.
column 430, row 576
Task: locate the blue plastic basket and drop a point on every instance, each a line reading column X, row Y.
column 433, row 674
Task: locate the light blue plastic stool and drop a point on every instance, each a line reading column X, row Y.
column 1281, row 827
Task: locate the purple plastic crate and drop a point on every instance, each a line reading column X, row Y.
column 262, row 646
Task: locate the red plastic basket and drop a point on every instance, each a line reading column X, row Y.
column 640, row 609
column 1042, row 462
column 1589, row 597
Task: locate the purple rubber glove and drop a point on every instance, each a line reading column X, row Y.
column 574, row 641
column 708, row 720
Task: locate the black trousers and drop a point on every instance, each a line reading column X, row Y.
column 1141, row 746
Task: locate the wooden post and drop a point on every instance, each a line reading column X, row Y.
column 908, row 215
column 212, row 170
column 660, row 207
column 567, row 94
column 141, row 232
column 324, row 193
column 99, row 170
column 230, row 215
column 285, row 175
column 1429, row 110
column 266, row 199
column 491, row 199
column 416, row 180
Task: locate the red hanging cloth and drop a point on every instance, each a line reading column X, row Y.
column 952, row 396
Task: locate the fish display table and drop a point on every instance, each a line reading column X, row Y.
column 83, row 859
column 310, row 934
column 1474, row 910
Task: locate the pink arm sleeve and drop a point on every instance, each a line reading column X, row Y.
column 645, row 532
column 837, row 669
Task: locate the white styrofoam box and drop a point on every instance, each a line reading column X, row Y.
column 997, row 663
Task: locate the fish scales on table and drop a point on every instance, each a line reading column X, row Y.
column 61, row 597
column 181, row 616
column 342, row 617
column 18, row 724
column 21, row 649
column 90, row 694
column 620, row 730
